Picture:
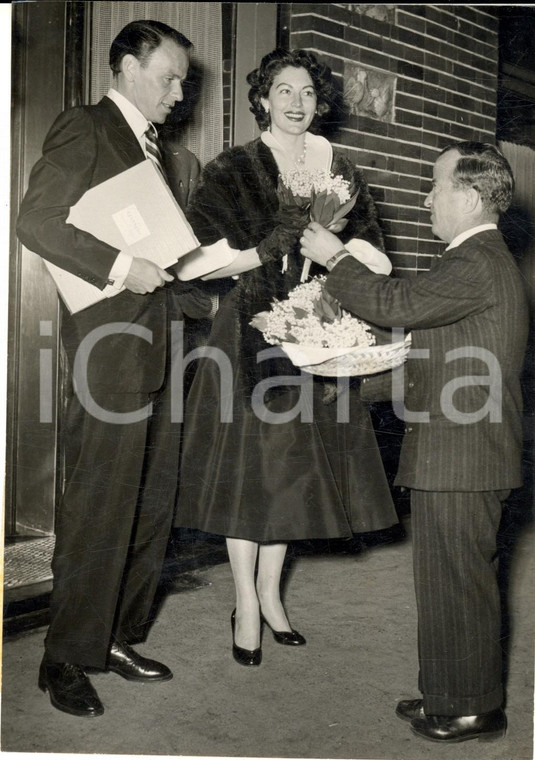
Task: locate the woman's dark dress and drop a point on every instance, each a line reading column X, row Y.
column 248, row 478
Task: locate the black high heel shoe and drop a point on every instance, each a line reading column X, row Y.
column 290, row 638
column 244, row 656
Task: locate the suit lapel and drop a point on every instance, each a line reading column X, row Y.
column 124, row 141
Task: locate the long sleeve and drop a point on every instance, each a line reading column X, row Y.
column 57, row 182
column 457, row 286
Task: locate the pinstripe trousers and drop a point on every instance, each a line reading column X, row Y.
column 458, row 601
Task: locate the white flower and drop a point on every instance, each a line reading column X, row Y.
column 295, row 321
column 301, row 182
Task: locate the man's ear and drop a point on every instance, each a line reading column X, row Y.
column 472, row 200
column 129, row 66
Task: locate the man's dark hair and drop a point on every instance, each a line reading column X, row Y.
column 140, row 39
column 484, row 168
column 272, row 64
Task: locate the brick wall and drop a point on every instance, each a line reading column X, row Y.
column 438, row 67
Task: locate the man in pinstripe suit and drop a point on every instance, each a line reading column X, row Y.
column 462, row 448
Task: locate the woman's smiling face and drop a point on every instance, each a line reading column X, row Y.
column 291, row 101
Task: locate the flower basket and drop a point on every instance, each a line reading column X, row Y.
column 361, row 360
column 321, row 338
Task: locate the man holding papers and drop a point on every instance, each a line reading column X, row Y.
column 121, row 449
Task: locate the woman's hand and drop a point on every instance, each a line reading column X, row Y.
column 280, row 241
column 318, row 244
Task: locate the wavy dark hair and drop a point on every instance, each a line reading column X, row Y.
column 273, row 63
column 484, row 168
column 140, row 39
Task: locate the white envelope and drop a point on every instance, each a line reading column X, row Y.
column 205, row 259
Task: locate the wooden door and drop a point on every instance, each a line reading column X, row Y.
column 48, row 42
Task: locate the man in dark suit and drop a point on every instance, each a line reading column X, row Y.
column 121, row 467
column 462, row 447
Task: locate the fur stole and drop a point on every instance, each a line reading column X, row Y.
column 237, row 199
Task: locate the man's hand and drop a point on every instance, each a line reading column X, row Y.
column 338, row 226
column 318, row 244
column 145, row 276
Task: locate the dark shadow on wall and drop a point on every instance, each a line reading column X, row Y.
column 184, row 111
column 518, row 228
column 338, row 115
column 517, row 516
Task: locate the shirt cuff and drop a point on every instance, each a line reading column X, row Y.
column 370, row 256
column 120, row 270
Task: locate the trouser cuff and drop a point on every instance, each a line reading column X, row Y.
column 436, row 704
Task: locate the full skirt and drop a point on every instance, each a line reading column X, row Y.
column 262, row 480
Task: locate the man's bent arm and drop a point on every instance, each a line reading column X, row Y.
column 456, row 288
column 57, row 182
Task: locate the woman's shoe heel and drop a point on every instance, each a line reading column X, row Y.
column 246, row 657
column 289, row 638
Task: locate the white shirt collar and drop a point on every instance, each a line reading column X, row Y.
column 468, row 234
column 134, row 118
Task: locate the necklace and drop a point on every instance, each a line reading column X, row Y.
column 285, row 156
column 299, row 162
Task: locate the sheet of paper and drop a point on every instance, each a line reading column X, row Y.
column 206, row 259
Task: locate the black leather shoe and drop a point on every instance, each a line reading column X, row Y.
column 69, row 689
column 244, row 656
column 447, row 729
column 291, row 638
column 409, row 709
column 132, row 666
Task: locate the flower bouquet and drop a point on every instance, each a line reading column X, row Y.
column 321, row 338
column 327, row 197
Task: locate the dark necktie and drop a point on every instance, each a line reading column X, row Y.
column 152, row 146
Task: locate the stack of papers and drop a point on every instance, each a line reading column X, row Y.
column 134, row 212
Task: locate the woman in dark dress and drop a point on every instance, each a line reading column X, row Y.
column 284, row 468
